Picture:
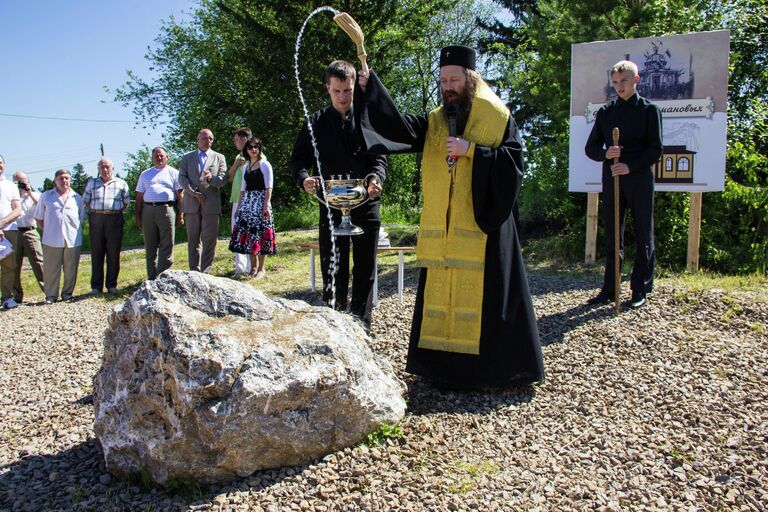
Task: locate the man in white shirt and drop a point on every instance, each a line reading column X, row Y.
column 105, row 198
column 10, row 209
column 29, row 239
column 60, row 214
column 157, row 191
column 202, row 173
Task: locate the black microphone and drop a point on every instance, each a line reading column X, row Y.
column 452, row 111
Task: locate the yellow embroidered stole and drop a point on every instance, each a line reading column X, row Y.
column 451, row 244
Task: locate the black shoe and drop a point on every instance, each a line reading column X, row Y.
column 638, row 300
column 601, row 297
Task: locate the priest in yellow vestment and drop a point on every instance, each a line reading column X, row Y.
column 473, row 323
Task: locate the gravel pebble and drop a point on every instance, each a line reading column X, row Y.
column 662, row 408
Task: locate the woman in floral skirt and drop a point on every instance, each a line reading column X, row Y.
column 254, row 231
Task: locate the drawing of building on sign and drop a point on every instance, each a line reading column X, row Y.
column 659, row 80
column 682, row 134
column 675, row 166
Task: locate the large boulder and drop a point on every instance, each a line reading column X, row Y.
column 209, row 379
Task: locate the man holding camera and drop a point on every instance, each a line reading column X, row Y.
column 10, row 209
column 29, row 239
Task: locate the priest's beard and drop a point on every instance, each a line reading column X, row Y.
column 463, row 102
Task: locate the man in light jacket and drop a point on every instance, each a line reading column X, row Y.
column 201, row 174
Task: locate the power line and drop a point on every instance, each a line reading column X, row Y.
column 68, row 119
column 49, row 169
column 50, row 160
column 64, row 157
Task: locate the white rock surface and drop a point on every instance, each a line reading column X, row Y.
column 206, row 378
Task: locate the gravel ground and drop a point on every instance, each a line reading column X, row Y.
column 664, row 408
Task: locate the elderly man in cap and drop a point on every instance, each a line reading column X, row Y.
column 29, row 239
column 60, row 214
column 105, row 198
column 473, row 323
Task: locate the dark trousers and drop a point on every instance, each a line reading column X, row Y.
column 363, row 272
column 635, row 193
column 106, row 236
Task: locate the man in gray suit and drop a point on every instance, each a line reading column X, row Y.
column 201, row 174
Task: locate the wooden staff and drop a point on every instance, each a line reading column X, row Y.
column 616, row 224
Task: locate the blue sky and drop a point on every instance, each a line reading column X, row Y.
column 58, row 58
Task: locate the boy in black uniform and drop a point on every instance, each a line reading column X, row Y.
column 640, row 146
column 341, row 151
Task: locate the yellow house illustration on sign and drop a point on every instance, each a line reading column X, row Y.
column 675, row 165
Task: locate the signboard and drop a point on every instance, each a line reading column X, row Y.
column 687, row 77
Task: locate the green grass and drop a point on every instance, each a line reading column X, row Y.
column 680, row 456
column 296, row 217
column 555, row 250
column 565, row 254
column 287, row 271
column 398, row 215
column 186, row 487
column 700, row 281
column 468, row 475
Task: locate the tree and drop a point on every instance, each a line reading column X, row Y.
column 534, row 47
column 136, row 163
column 412, row 46
column 232, row 65
column 79, row 178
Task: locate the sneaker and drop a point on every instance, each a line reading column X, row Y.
column 9, row 303
column 261, row 274
column 112, row 290
column 601, row 298
column 94, row 291
column 638, row 300
column 66, row 297
column 50, row 300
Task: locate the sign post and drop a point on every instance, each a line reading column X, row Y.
column 694, row 231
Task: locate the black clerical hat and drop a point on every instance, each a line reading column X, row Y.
column 459, row 56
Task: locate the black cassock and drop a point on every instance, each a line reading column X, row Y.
column 341, row 152
column 510, row 351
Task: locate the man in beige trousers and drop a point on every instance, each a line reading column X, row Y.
column 202, row 173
